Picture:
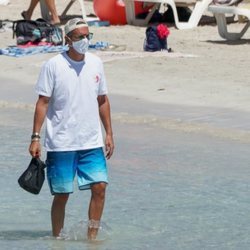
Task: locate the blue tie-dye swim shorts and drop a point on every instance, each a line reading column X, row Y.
column 89, row 166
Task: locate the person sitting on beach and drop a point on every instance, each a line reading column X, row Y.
column 26, row 14
column 73, row 99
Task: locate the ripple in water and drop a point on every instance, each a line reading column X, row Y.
column 78, row 232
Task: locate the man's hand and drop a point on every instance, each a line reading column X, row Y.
column 109, row 146
column 104, row 110
column 35, row 149
column 39, row 116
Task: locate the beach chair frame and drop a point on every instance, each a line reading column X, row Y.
column 199, row 7
column 220, row 13
column 45, row 12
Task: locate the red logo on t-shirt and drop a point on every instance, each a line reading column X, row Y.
column 97, row 78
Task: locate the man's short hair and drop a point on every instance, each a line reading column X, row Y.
column 73, row 24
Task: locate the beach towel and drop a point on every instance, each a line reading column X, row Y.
column 19, row 52
column 41, row 48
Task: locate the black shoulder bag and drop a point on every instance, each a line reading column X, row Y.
column 37, row 31
column 33, row 177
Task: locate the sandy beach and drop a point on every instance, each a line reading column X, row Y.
column 204, row 71
column 191, row 103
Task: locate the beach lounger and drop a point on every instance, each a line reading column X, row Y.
column 220, row 13
column 45, row 11
column 198, row 9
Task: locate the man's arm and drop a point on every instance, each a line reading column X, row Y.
column 39, row 116
column 104, row 110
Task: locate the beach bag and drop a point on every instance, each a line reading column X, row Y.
column 37, row 31
column 156, row 38
column 32, row 178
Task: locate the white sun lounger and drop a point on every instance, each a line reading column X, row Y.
column 199, row 7
column 220, row 13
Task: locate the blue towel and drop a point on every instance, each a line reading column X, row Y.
column 99, row 45
column 97, row 23
column 19, row 52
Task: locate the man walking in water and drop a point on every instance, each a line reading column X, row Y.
column 72, row 98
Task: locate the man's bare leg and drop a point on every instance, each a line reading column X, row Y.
column 28, row 13
column 96, row 208
column 52, row 9
column 58, row 213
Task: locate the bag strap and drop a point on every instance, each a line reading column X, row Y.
column 41, row 163
column 14, row 29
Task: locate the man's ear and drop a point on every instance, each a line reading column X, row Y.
column 68, row 40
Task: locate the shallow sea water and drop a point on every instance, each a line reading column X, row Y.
column 168, row 190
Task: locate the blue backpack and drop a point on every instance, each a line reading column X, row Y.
column 152, row 41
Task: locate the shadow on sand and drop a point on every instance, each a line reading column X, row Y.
column 227, row 42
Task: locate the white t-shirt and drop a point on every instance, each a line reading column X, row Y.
column 72, row 121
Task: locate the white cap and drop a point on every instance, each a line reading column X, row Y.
column 74, row 24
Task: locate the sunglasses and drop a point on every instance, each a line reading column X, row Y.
column 80, row 37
